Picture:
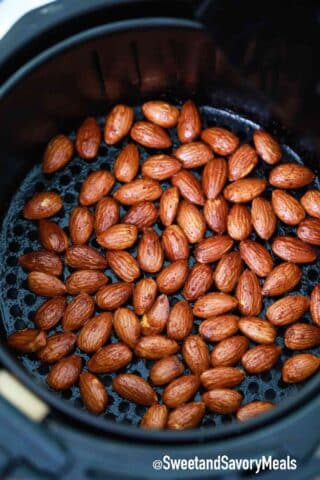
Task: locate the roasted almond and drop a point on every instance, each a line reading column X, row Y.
column 257, row 257
column 58, row 153
column 127, row 327
column 222, row 400
column 150, row 135
column 186, row 416
column 155, row 417
column 198, row 282
column 118, row 237
column 180, row 321
column 253, row 409
column 77, row 312
column 180, row 390
column 222, row 141
column 258, row 329
column 81, row 225
column 50, row 313
column 293, row 249
column 311, row 203
column 315, row 305
column 93, row 393
column 173, row 277
column 175, row 243
column 110, row 358
column 124, row 265
column 45, row 285
column 84, row 257
column 150, row 254
column 216, row 214
column 300, row 367
column 142, row 215
column 221, row 377
column 42, row 205
column 215, row 329
column 169, row 202
column 213, row 304
column 154, row 347
column 309, row 231
column 95, row 333
column 192, row 222
column 263, row 218
column 242, row 162
column 135, row 389
column 118, row 124
column 28, row 340
column 239, row 222
column 154, row 321
column 114, row 296
column 189, row 187
column 281, row 279
column 139, row 190
column 196, row 354
column 301, row 336
column 288, row 309
column 96, row 185
column 229, row 351
column 287, row 208
column 52, row 237
column 212, row 248
column 161, row 113
column 214, row 177
column 261, row 358
column 57, row 347
column 106, row 214
column 88, row 139
column 65, row 373
column 227, row 272
column 194, row 154
column 244, row 190
column 126, row 165
column 165, row 370
column 267, row 147
column 144, row 295
column 85, row 281
column 189, row 123
column 42, row 261
column 249, row 294
column 290, row 175
column 160, row 167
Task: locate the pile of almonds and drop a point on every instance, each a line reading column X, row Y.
column 228, row 296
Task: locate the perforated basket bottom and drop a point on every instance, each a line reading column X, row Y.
column 19, row 305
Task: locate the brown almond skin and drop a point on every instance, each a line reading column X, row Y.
column 300, row 367
column 154, row 347
column 84, row 257
column 213, row 304
column 212, row 248
column 287, row 208
column 106, row 214
column 150, row 135
column 293, row 249
column 186, row 416
column 118, row 124
column 173, row 277
column 50, row 313
column 252, row 409
column 135, row 389
column 221, row 377
column 65, row 373
column 249, row 294
column 189, row 123
column 222, row 400
column 28, row 340
column 169, row 202
column 42, row 261
column 175, row 243
column 198, row 282
column 88, row 139
column 192, row 221
column 180, row 321
column 126, row 165
column 263, row 218
column 52, row 237
column 42, row 205
column 315, row 305
column 309, row 231
column 214, row 177
column 257, row 257
column 81, row 225
column 57, row 347
column 196, row 354
column 239, row 222
column 144, row 295
column 142, row 215
column 287, row 310
column 267, row 147
column 244, row 190
column 222, row 141
column 194, row 154
column 93, row 393
column 161, row 113
column 301, row 336
column 215, row 329
column 118, row 237
column 228, row 352
column 110, row 358
column 123, row 264
column 85, row 281
column 180, row 390
column 150, row 254
column 227, row 272
column 261, row 358
column 95, row 333
column 189, row 187
column 58, row 153
column 154, row 321
column 290, row 175
column 126, row 326
column 77, row 312
column 114, row 295
column 160, row 167
column 165, row 370
column 139, row 190
column 216, row 214
column 45, row 285
column 242, row 162
column 258, row 330
column 155, row 417
column 311, row 203
column 96, row 185
column 283, row 278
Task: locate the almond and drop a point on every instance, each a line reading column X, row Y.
column 110, row 358
column 65, row 373
column 58, row 153
column 142, row 215
column 263, row 218
column 155, row 417
column 212, row 249
column 127, row 327
column 214, row 303
column 28, row 340
column 281, row 279
column 114, row 296
column 189, row 123
column 315, row 305
column 193, row 155
column 154, row 321
column 93, row 393
column 169, row 202
column 126, row 165
column 175, row 243
column 150, row 135
column 215, row 329
column 135, row 389
column 160, row 167
column 45, row 285
column 301, row 336
column 189, row 187
column 186, row 416
column 180, row 390
column 300, row 367
column 77, row 312
column 192, row 222
column 165, row 370
column 309, row 231
column 150, row 254
column 216, row 214
column 214, row 177
column 256, row 257
column 124, row 265
column 42, row 261
column 244, row 190
column 196, row 354
column 239, row 222
column 229, row 351
column 227, row 272
column 311, row 203
column 267, row 147
column 221, row 377
column 290, row 175
column 222, row 141
column 96, row 185
column 85, row 281
column 139, row 190
column 42, row 205
column 242, row 162
column 253, row 409
column 173, row 277
column 118, row 124
column 222, row 400
column 84, row 257
column 57, row 347
column 106, row 215
column 258, row 330
column 154, row 347
column 81, row 225
column 144, row 295
column 180, row 321
column 95, row 333
column 161, row 113
column 52, row 237
column 198, row 282
column 287, row 310
column 50, row 313
column 88, row 139
column 293, row 249
column 261, row 358
column 287, row 208
column 249, row 294
column 118, row 237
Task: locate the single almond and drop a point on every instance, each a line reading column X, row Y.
column 81, row 225
column 65, row 373
column 189, row 187
column 96, row 185
column 52, row 237
column 169, row 202
column 288, row 309
column 45, row 285
column 77, row 312
column 221, row 377
column 216, row 214
column 88, row 139
column 229, row 351
column 302, row 336
column 160, row 167
column 198, row 282
column 222, row 141
column 161, row 113
column 154, row 321
column 118, row 124
column 106, row 214
column 189, row 123
column 267, row 147
column 150, row 254
column 253, row 409
column 58, row 153
column 212, row 248
column 214, row 177
column 110, row 358
column 309, row 231
column 126, row 165
column 180, row 321
column 84, row 257
column 239, row 222
column 244, row 190
column 315, row 305
column 311, row 203
column 165, row 370
column 144, row 295
column 114, row 295
column 196, row 354
column 300, row 367
column 118, row 237
column 192, row 221
column 261, row 358
column 213, row 304
column 50, row 313
column 287, row 208
column 85, row 281
column 155, row 417
column 42, row 261
column 290, row 175
column 175, row 243
column 263, row 218
column 124, row 265
column 57, row 347
column 242, row 162
column 139, row 190
column 42, row 205
column 180, row 390
column 227, row 272
column 186, row 416
column 173, row 277
column 283, row 278
column 126, row 326
column 249, row 294
column 93, row 393
column 215, row 329
column 293, row 249
column 134, row 388
column 154, row 347
column 28, row 340
column 222, row 400
column 95, row 333
column 150, row 135
column 258, row 330
column 194, row 154
column 257, row 257
column 142, row 215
